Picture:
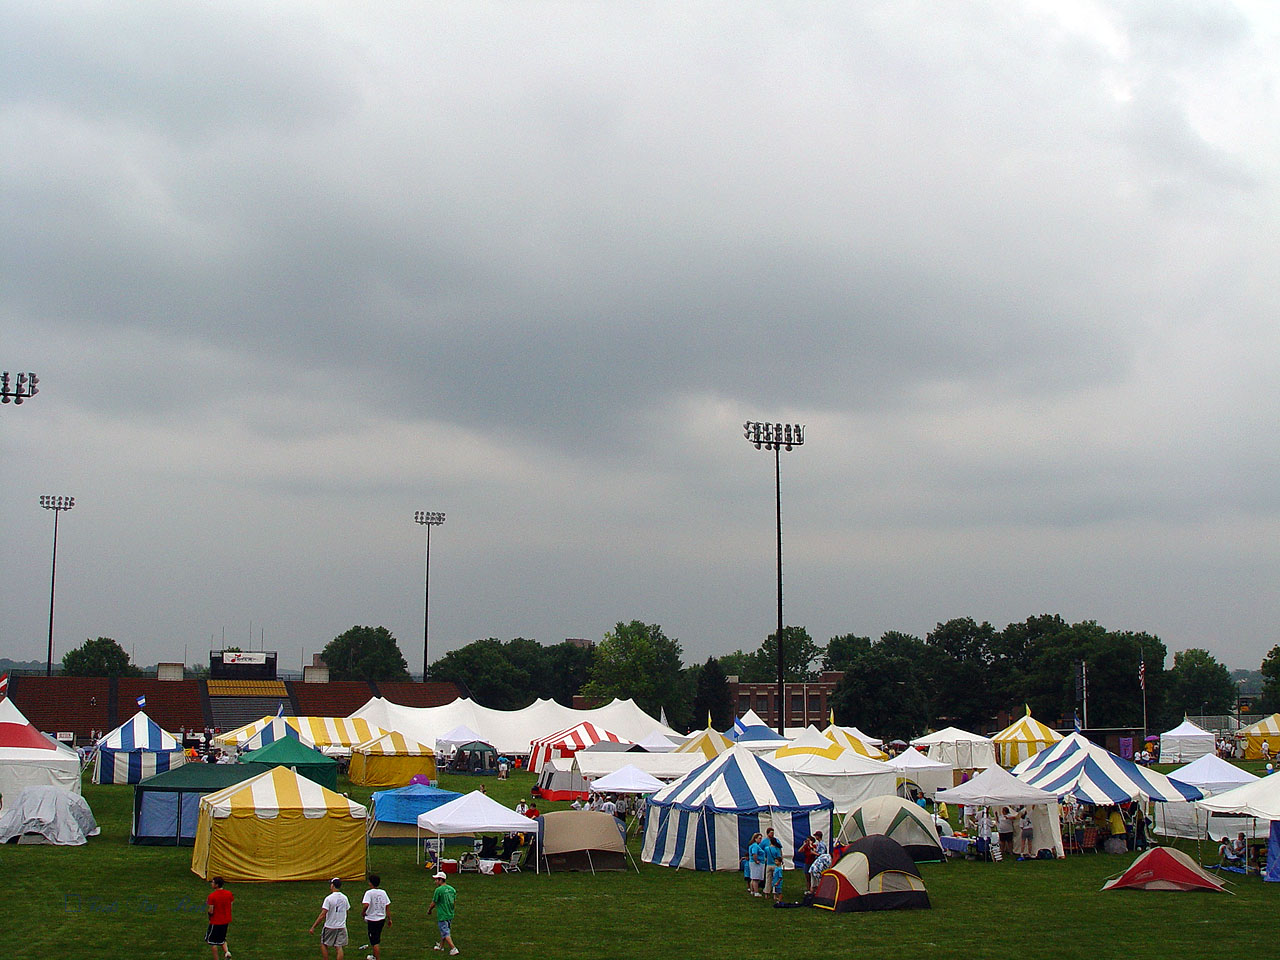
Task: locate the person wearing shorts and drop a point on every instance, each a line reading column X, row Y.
column 219, row 904
column 777, row 879
column 376, row 910
column 333, row 914
column 442, row 901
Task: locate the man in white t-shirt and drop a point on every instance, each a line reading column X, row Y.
column 376, row 910
column 333, row 914
column 608, row 807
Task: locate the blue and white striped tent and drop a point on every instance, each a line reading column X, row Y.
column 135, row 750
column 273, row 729
column 1076, row 767
column 705, row 820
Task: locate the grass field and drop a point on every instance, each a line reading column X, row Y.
column 111, row 900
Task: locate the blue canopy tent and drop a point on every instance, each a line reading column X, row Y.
column 135, row 750
column 395, row 812
column 705, row 820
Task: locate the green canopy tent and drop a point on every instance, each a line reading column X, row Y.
column 166, row 807
column 287, row 752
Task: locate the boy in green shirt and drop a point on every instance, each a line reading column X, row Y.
column 443, row 897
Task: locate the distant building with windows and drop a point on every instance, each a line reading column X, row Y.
column 806, row 702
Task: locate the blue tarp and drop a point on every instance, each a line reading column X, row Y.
column 403, row 804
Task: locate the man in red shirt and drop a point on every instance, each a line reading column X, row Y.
column 219, row 904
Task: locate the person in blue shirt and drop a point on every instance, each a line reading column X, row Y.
column 754, row 865
column 777, row 879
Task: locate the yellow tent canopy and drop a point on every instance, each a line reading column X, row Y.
column 709, row 742
column 391, row 760
column 320, row 731
column 851, row 742
column 1268, row 729
column 279, row 826
column 1022, row 739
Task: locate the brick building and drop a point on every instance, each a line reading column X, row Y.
column 806, row 703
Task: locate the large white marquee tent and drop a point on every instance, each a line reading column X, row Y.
column 508, row 730
column 1213, row 776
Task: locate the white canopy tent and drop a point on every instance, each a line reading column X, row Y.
column 960, row 748
column 1213, row 776
column 658, row 742
column 996, row 786
column 450, row 740
column 1260, row 799
column 1185, row 742
column 510, row 731
column 929, row 775
column 662, row 766
column 472, row 813
column 630, row 779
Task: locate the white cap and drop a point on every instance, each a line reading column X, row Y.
column 439, row 875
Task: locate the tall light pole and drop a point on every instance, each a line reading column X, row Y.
column 57, row 505
column 428, row 520
column 23, row 388
column 777, row 437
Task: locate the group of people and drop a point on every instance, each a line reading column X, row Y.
column 375, row 910
column 763, row 866
column 1234, row 853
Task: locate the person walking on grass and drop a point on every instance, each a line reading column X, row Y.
column 442, row 901
column 376, row 910
column 333, row 914
column 219, row 904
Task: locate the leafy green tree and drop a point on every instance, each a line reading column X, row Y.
column 843, row 650
column 1197, row 683
column 885, row 690
column 98, row 658
column 962, row 664
column 365, row 653
column 712, row 697
column 799, row 654
column 568, row 667
column 1270, row 670
column 743, row 665
column 486, row 672
column 639, row 661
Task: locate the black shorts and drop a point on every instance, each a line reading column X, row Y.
column 375, row 931
column 216, row 934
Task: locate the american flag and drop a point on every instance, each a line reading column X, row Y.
column 1142, row 674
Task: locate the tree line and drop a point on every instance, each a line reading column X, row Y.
column 962, row 672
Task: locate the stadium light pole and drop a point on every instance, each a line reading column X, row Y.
column 427, row 520
column 777, row 437
column 57, row 505
column 23, row 387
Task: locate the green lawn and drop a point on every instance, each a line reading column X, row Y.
column 112, row 900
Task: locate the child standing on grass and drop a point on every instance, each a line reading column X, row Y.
column 777, row 879
column 219, row 904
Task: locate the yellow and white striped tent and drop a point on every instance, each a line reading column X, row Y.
column 279, row 826
column 851, row 742
column 709, row 742
column 391, row 760
column 1268, row 729
column 1022, row 739
column 320, row 731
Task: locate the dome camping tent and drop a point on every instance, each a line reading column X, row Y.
column 875, row 873
column 898, row 819
column 135, row 750
column 1023, row 739
column 1164, row 868
column 28, row 758
column 847, row 778
column 1185, row 742
column 279, row 825
column 698, row 822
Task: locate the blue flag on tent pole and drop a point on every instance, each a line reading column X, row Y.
column 280, row 709
column 142, row 701
column 738, row 727
column 1079, row 729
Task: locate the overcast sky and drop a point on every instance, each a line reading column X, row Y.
column 289, row 272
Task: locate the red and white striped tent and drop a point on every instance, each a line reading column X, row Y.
column 563, row 744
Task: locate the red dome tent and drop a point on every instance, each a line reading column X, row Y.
column 1164, row 868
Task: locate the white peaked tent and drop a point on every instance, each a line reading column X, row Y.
column 1213, row 776
column 929, row 775
column 996, row 786
column 510, row 731
column 450, row 740
column 472, row 813
column 663, row 766
column 28, row 758
column 960, row 748
column 658, row 742
column 1259, row 799
column 847, row 778
column 1185, row 742
column 630, row 779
